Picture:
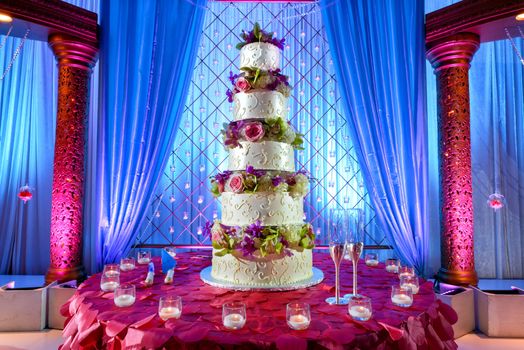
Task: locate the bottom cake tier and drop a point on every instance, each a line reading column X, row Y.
column 269, row 271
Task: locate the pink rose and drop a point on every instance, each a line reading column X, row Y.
column 216, row 236
column 235, row 183
column 254, row 131
column 242, row 84
column 220, row 187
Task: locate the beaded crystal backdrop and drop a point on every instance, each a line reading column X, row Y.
column 183, row 202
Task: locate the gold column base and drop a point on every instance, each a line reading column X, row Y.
column 63, row 275
column 459, row 278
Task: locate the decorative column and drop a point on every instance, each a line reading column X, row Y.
column 75, row 61
column 451, row 59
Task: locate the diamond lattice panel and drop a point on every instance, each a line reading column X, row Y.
column 183, row 202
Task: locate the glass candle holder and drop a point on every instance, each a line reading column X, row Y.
column 109, row 283
column 359, row 308
column 125, row 295
column 111, row 270
column 401, row 296
column 127, row 264
column 170, row 306
column 371, row 259
column 234, row 315
column 406, row 271
column 143, row 257
column 392, row 265
column 298, row 316
column 407, row 281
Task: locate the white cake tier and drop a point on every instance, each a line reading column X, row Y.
column 267, row 271
column 270, row 208
column 266, row 155
column 260, row 55
column 259, row 104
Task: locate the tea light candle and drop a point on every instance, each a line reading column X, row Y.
column 414, row 288
column 109, row 286
column 112, row 273
column 359, row 312
column 402, row 300
column 234, row 321
column 392, row 268
column 124, row 300
column 406, row 271
column 143, row 261
column 372, row 262
column 298, row 322
column 169, row 312
column 127, row 266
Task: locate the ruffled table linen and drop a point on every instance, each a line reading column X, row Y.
column 94, row 322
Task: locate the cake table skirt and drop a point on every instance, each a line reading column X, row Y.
column 94, row 322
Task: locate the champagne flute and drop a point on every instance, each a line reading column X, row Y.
column 337, row 230
column 355, row 243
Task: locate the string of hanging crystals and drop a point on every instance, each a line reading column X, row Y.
column 17, row 51
column 514, row 45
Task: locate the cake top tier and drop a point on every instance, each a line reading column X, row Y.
column 260, row 50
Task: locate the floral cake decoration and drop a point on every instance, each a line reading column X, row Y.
column 270, row 129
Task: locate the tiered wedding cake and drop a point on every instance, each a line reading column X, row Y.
column 262, row 240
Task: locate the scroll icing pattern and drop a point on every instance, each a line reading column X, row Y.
column 260, row 55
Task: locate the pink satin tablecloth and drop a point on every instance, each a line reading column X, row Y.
column 94, row 322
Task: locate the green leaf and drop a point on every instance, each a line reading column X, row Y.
column 222, row 252
column 216, row 245
column 256, row 31
column 257, row 74
column 240, row 45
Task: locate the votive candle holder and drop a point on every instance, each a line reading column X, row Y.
column 392, row 265
column 298, row 316
column 111, row 270
column 125, row 295
column 401, row 296
column 359, row 308
column 143, row 257
column 407, row 281
column 170, row 306
column 109, row 283
column 406, row 271
column 234, row 315
column 127, row 264
column 371, row 259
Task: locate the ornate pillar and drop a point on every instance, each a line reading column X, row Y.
column 75, row 61
column 451, row 59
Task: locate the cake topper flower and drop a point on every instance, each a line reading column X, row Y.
column 259, row 35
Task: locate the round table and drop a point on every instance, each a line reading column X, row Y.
column 93, row 321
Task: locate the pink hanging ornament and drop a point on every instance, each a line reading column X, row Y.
column 496, row 201
column 25, row 193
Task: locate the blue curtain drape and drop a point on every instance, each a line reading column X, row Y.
column 27, row 134
column 148, row 52
column 378, row 53
column 27, row 138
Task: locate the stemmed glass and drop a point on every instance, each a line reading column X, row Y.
column 338, row 226
column 355, row 243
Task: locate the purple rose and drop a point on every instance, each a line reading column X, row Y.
column 277, row 180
